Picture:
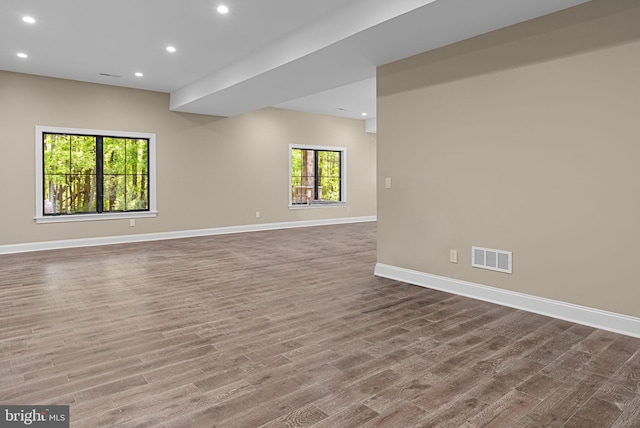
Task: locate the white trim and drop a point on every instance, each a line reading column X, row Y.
column 88, row 217
column 311, row 206
column 109, row 240
column 596, row 318
column 41, row 218
column 343, row 169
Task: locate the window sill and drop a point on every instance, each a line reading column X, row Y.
column 321, row 205
column 93, row 217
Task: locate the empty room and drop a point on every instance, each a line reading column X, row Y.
column 331, row 214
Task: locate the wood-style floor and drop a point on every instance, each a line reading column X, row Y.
column 290, row 328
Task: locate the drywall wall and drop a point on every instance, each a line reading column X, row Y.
column 526, row 139
column 211, row 171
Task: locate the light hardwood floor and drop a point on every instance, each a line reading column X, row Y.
column 290, row 328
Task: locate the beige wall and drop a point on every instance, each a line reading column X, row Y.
column 211, row 171
column 526, row 139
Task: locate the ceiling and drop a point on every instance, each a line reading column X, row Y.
column 318, row 56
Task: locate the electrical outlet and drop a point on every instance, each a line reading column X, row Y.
column 132, row 222
column 453, row 256
column 257, row 214
column 387, row 183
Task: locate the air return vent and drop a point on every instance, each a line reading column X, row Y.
column 486, row 258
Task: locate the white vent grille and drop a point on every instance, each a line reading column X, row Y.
column 487, row 258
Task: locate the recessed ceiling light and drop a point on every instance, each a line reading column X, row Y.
column 29, row 20
column 171, row 49
column 364, row 114
column 138, row 74
column 22, row 55
column 223, row 9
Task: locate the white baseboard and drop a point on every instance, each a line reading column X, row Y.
column 123, row 239
column 597, row 318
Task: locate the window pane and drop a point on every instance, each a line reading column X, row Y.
column 114, row 193
column 296, row 175
column 329, row 176
column 56, row 157
column 296, row 162
column 308, row 168
column 114, row 155
column 136, row 192
column 69, row 174
column 126, row 174
column 137, row 153
column 56, row 154
column 82, row 190
column 302, row 176
column 55, row 191
column 83, row 155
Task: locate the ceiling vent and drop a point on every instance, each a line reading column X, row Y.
column 487, row 258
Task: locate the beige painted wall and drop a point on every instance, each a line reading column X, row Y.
column 526, row 139
column 211, row 171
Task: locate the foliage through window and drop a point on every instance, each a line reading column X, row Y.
column 316, row 176
column 94, row 173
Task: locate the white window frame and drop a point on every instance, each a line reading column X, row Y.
column 343, row 176
column 41, row 218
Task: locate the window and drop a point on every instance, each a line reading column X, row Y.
column 85, row 174
column 317, row 175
